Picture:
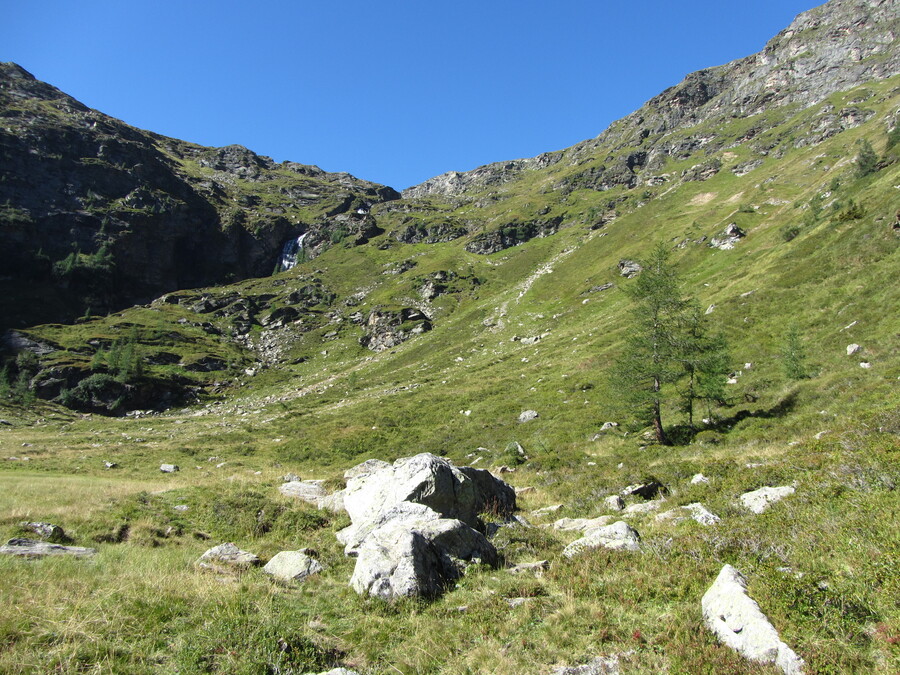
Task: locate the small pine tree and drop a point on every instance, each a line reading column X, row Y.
column 793, row 355
column 866, row 159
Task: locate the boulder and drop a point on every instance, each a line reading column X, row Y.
column 759, row 500
column 417, row 557
column 614, row 503
column 619, row 537
column 309, row 491
column 738, row 622
column 452, row 492
column 292, row 566
column 226, row 557
column 528, row 415
column 30, row 548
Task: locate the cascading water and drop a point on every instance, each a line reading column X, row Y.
column 290, row 252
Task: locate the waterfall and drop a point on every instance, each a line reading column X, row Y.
column 290, row 252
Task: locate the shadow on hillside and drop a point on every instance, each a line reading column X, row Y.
column 682, row 434
column 780, row 409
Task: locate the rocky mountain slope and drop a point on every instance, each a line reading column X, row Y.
column 829, row 48
column 97, row 215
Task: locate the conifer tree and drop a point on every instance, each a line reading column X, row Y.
column 668, row 342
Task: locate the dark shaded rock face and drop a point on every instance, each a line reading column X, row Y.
column 97, row 215
column 386, row 329
column 511, row 235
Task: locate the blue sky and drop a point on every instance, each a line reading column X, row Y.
column 394, row 92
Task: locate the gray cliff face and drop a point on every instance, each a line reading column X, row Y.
column 830, row 48
column 99, row 215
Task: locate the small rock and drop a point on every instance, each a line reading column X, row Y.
column 642, row 508
column 290, row 477
column 547, row 510
column 738, row 622
column 517, row 602
column 629, row 268
column 169, row 468
column 504, row 469
column 46, row 531
column 759, row 500
column 695, row 511
column 698, row 479
column 853, row 349
column 181, row 507
column 110, row 465
column 618, row 536
column 292, row 566
column 614, row 503
column 645, row 490
column 609, row 425
column 226, row 557
column 536, row 568
column 528, row 415
column 865, row 364
column 601, row 665
column 528, row 489
column 581, row 524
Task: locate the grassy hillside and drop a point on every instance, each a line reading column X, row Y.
column 820, row 254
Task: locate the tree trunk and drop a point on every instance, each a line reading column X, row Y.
column 657, row 418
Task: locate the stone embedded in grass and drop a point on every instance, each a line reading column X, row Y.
column 338, row 671
column 698, row 479
column 29, row 548
column 759, row 500
column 600, row 665
column 614, row 503
column 696, row 511
column 619, row 536
column 642, row 507
column 738, row 622
column 581, row 524
column 168, row 468
column 528, row 415
column 292, row 566
column 853, row 349
column 227, row 557
column 547, row 510
column 309, row 491
column 290, row 477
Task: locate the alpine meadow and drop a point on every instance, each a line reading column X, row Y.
column 627, row 407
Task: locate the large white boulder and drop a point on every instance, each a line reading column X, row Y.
column 738, row 622
column 453, row 492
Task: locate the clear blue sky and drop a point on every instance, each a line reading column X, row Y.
column 394, row 92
